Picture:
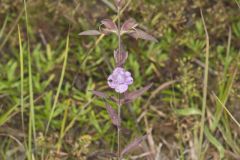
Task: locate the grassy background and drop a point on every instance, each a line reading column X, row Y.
column 44, row 72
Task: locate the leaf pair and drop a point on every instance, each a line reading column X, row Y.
column 130, row 147
column 128, row 97
column 128, row 27
column 131, row 96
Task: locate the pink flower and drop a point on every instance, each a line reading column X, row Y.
column 120, row 79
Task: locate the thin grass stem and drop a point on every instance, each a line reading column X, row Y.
column 228, row 112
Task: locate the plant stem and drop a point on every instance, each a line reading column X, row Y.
column 119, row 104
column 119, row 31
column 119, row 127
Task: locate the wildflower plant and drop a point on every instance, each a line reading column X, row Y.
column 120, row 78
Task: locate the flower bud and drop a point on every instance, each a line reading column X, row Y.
column 119, row 3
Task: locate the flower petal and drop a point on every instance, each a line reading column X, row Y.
column 112, row 85
column 127, row 74
column 129, row 80
column 111, row 82
column 121, row 88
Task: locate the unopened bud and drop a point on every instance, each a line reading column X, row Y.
column 119, row 3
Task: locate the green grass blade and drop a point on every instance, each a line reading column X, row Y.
column 205, row 86
column 32, row 130
column 31, row 123
column 22, row 76
column 59, row 85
